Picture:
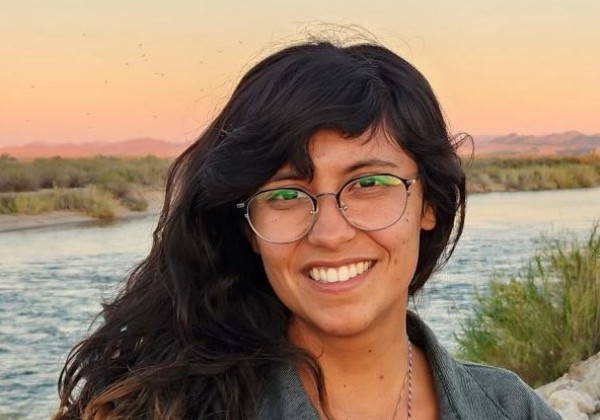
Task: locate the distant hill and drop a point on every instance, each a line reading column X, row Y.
column 569, row 143
column 127, row 148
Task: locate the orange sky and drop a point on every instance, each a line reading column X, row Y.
column 74, row 71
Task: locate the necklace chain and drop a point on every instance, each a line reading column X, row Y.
column 407, row 378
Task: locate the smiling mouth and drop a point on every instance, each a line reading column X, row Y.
column 339, row 274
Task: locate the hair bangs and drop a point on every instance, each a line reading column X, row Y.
column 275, row 112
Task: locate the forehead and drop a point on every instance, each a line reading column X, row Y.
column 332, row 151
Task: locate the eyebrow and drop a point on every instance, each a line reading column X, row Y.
column 365, row 163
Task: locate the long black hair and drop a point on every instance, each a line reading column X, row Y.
column 197, row 330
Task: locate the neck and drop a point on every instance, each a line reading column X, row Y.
column 354, row 354
column 371, row 364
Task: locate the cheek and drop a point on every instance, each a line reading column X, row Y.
column 272, row 265
column 276, row 260
column 403, row 245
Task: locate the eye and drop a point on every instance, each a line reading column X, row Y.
column 370, row 186
column 375, row 181
column 282, row 194
column 282, row 199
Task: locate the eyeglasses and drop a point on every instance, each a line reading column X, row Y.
column 369, row 202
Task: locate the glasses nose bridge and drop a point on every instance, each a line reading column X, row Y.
column 336, row 196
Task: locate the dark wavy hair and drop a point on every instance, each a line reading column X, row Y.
column 197, row 330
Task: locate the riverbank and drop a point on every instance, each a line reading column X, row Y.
column 13, row 222
column 532, row 174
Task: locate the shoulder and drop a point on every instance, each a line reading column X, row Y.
column 473, row 391
column 505, row 392
column 285, row 397
column 492, row 378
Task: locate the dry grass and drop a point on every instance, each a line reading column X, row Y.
column 529, row 174
column 92, row 201
column 96, row 187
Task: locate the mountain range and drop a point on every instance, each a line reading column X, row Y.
column 570, row 143
column 127, row 148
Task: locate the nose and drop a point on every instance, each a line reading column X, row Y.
column 330, row 229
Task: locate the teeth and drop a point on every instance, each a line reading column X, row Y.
column 353, row 270
column 343, row 273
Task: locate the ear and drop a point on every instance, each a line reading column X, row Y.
column 428, row 219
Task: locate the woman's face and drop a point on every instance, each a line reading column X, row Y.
column 366, row 302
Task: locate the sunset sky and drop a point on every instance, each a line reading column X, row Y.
column 82, row 71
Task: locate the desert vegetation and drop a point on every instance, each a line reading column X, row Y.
column 530, row 174
column 96, row 187
column 541, row 321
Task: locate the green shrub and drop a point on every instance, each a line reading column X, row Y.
column 526, row 174
column 113, row 172
column 134, row 200
column 540, row 323
column 95, row 186
column 25, row 203
column 93, row 201
column 32, row 204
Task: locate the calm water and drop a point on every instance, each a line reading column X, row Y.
column 53, row 280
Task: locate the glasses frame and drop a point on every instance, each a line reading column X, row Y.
column 245, row 205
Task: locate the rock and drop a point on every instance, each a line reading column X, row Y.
column 566, row 398
column 576, row 395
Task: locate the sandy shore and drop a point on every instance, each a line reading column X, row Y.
column 9, row 222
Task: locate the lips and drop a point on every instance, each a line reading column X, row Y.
column 340, row 273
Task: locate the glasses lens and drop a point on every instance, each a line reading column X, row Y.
column 280, row 215
column 374, row 202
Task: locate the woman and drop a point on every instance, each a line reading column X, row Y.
column 325, row 193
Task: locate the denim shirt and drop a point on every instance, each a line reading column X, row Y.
column 465, row 391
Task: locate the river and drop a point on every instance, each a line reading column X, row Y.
column 52, row 280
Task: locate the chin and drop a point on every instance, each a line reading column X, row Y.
column 342, row 326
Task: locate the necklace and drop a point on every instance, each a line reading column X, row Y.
column 407, row 377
